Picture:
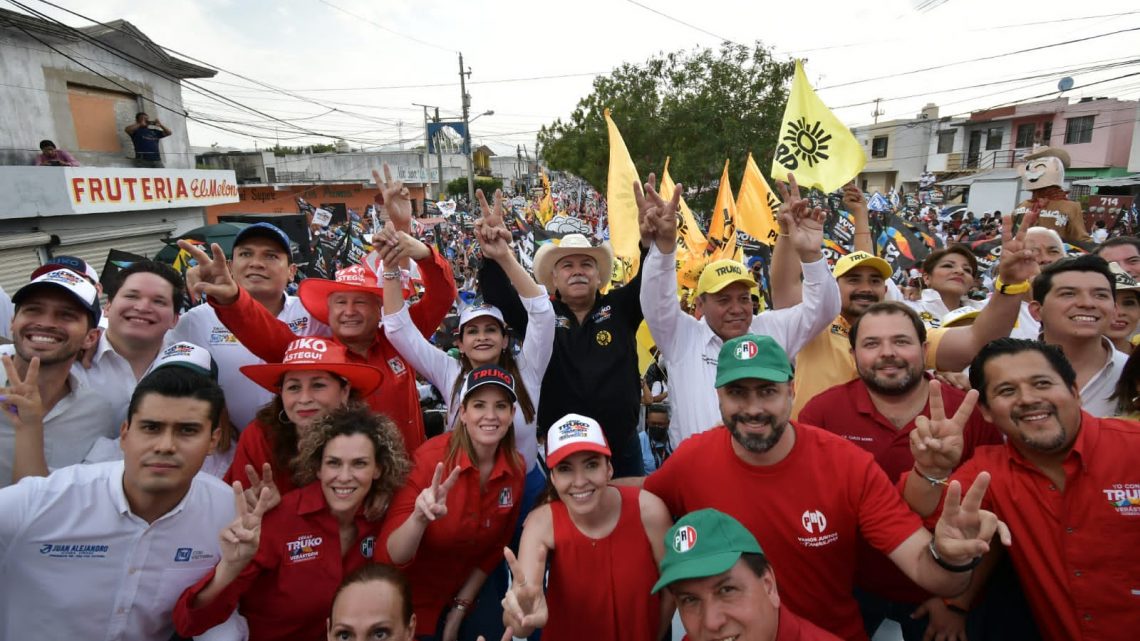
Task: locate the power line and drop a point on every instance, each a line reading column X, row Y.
column 391, row 31
column 678, row 21
column 448, row 84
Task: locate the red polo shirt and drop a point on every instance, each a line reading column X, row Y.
column 286, row 591
column 268, row 338
column 807, row 511
column 254, row 448
column 479, row 522
column 848, row 411
column 1075, row 549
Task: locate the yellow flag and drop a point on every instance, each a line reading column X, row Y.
column 621, row 206
column 644, row 345
column 813, row 144
column 546, row 205
column 688, row 233
column 756, row 206
column 722, row 229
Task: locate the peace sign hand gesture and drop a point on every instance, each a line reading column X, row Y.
column 964, row 530
column 431, row 504
column 657, row 217
column 21, row 400
column 524, row 607
column 936, row 442
column 257, row 485
column 240, row 539
column 494, row 239
column 212, row 275
column 1018, row 262
column 803, row 222
column 397, row 201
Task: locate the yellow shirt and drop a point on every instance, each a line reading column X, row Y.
column 826, row 361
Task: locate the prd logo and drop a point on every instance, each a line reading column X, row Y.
column 746, row 350
column 685, row 539
column 814, row 521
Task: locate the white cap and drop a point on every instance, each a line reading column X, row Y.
column 190, row 356
column 475, row 311
column 574, row 433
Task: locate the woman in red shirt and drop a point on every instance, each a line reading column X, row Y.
column 282, row 574
column 314, row 379
column 604, row 544
column 449, row 533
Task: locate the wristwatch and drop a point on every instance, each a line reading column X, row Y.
column 1011, row 289
column 952, row 568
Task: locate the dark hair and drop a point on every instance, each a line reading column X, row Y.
column 162, row 270
column 1125, row 393
column 506, row 361
column 657, row 408
column 549, row 493
column 957, row 248
column 1043, row 284
column 1010, row 347
column 886, row 308
column 1116, row 242
column 141, row 113
column 350, row 420
column 282, row 433
column 381, row 573
column 46, row 143
column 180, row 382
column 758, row 563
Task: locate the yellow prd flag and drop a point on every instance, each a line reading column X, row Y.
column 691, row 243
column 621, row 205
column 812, row 143
column 722, row 229
column 546, row 205
column 756, row 206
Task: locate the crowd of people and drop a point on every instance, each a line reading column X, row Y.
column 261, row 467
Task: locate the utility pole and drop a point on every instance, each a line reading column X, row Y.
column 427, row 149
column 463, row 73
column 439, row 157
column 877, row 112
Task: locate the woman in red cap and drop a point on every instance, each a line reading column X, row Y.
column 282, row 571
column 447, row 526
column 314, row 379
column 588, row 529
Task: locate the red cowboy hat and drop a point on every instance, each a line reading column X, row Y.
column 358, row 279
column 311, row 353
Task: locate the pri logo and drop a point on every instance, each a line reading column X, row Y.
column 506, row 499
column 573, row 430
column 685, row 539
column 367, row 546
column 814, row 521
column 746, row 350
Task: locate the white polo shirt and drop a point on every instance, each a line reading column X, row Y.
column 243, row 397
column 70, row 428
column 112, row 377
column 1096, row 395
column 692, row 348
column 75, row 563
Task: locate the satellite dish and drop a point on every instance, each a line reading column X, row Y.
column 1065, row 84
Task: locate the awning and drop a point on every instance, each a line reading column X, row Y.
column 994, row 175
column 1119, row 181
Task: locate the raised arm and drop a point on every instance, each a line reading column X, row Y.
column 428, row 505
column 524, row 608
column 658, row 294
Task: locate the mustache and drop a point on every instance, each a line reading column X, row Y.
column 890, row 362
column 1036, row 409
column 579, row 280
column 753, row 418
column 867, row 297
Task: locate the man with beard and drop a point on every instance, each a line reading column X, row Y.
column 808, row 495
column 877, row 412
column 49, row 418
column 1066, row 481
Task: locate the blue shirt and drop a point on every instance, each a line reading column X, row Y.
column 146, row 142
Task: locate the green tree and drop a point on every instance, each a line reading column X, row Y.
column 458, row 187
column 699, row 107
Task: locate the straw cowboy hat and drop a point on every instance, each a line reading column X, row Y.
column 549, row 254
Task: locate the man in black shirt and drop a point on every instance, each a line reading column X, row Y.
column 593, row 369
column 145, row 134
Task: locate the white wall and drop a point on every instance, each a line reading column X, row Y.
column 1000, row 195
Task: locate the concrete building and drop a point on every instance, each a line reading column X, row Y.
column 80, row 88
column 897, row 152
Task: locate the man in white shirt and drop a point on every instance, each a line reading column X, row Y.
column 103, row 551
column 1074, row 299
column 50, row 418
column 262, row 265
column 143, row 306
column 692, row 346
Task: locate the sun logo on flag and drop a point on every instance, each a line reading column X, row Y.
column 806, row 141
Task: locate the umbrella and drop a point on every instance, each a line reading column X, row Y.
column 220, row 233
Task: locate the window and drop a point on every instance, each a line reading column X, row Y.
column 993, row 139
column 99, row 116
column 1025, row 135
column 879, row 147
column 1078, row 130
column 946, row 141
column 1047, row 133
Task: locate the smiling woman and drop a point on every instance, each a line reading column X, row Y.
column 284, row 572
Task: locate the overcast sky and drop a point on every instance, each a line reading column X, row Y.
column 358, row 56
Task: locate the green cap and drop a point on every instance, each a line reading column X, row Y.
column 752, row 356
column 703, row 543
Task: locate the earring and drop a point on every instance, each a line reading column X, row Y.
column 282, row 417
